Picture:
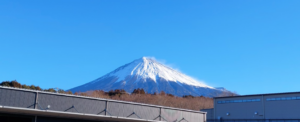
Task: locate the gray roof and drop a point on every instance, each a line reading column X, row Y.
column 282, row 93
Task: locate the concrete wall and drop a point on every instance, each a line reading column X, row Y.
column 78, row 104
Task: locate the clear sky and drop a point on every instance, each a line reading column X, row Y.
column 247, row 46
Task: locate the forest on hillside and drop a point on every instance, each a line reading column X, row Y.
column 138, row 95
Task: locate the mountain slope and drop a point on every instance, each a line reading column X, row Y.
column 150, row 75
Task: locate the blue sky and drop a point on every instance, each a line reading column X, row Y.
column 247, row 46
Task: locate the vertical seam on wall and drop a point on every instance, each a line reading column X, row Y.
column 160, row 114
column 106, row 106
column 36, row 100
column 263, row 104
column 214, row 109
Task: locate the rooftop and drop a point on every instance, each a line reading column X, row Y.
column 259, row 94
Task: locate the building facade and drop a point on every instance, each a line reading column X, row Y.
column 277, row 106
column 38, row 106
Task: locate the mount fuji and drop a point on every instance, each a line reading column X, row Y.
column 152, row 76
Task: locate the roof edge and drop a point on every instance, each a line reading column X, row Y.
column 257, row 95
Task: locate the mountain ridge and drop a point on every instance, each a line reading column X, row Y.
column 152, row 76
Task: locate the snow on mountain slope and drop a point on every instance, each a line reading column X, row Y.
column 150, row 75
column 149, row 68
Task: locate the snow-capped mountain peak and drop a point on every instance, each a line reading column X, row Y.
column 150, row 75
column 145, row 68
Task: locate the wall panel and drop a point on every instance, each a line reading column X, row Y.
column 126, row 110
column 242, row 110
column 171, row 115
column 65, row 103
column 15, row 98
column 282, row 109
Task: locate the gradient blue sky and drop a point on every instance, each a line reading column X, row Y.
column 247, row 46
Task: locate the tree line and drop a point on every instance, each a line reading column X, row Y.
column 16, row 84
